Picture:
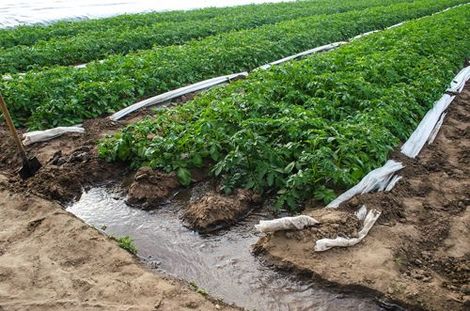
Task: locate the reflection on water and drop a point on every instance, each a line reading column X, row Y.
column 14, row 12
column 222, row 263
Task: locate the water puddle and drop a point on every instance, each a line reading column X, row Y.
column 221, row 264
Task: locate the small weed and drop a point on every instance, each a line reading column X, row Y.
column 198, row 289
column 127, row 244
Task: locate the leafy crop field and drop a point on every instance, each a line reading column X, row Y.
column 97, row 43
column 66, row 95
column 314, row 126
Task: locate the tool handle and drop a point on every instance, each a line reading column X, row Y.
column 11, row 127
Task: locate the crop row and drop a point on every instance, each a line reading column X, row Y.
column 64, row 95
column 88, row 46
column 29, row 35
column 307, row 128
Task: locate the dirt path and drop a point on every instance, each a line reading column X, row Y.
column 419, row 252
column 50, row 260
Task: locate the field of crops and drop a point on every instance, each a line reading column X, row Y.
column 311, row 127
column 146, row 31
column 65, row 95
column 195, row 132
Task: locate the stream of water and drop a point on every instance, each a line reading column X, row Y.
column 220, row 263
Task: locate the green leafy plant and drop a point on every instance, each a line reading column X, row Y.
column 127, row 243
column 198, row 289
column 306, row 128
column 148, row 30
column 67, row 96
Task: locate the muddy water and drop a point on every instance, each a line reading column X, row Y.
column 220, row 263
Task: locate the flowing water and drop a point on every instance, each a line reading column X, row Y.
column 220, row 263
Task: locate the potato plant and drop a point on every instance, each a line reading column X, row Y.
column 308, row 128
column 100, row 43
column 66, row 96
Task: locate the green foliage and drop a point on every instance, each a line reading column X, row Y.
column 127, row 36
column 66, row 96
column 198, row 289
column 306, row 128
column 127, row 244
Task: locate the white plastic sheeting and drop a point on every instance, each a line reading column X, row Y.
column 365, row 34
column 39, row 136
column 429, row 127
column 176, row 93
column 415, row 143
column 322, row 48
column 458, row 83
column 286, row 223
column 369, row 221
column 361, row 213
column 377, row 179
column 436, row 129
column 392, row 183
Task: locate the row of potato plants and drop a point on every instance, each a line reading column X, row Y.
column 64, row 95
column 30, row 34
column 88, row 46
column 308, row 128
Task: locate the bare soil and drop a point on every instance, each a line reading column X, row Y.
column 213, row 210
column 51, row 260
column 418, row 254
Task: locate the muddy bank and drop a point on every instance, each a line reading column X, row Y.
column 418, row 253
column 51, row 260
column 70, row 163
column 209, row 210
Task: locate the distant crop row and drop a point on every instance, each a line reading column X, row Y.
column 64, row 95
column 29, row 35
column 310, row 127
column 94, row 45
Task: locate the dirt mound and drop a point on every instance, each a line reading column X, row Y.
column 419, row 252
column 213, row 210
column 150, row 188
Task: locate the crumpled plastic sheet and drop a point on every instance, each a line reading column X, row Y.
column 176, row 93
column 39, row 136
column 369, row 221
column 392, row 183
column 322, row 48
column 458, row 83
column 417, row 140
column 361, row 213
column 377, row 179
column 286, row 223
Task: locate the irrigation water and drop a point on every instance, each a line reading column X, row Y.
column 220, row 263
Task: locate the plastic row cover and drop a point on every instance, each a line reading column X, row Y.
column 377, row 179
column 458, row 83
column 417, row 140
column 286, row 223
column 429, row 127
column 370, row 219
column 176, row 93
column 39, row 136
